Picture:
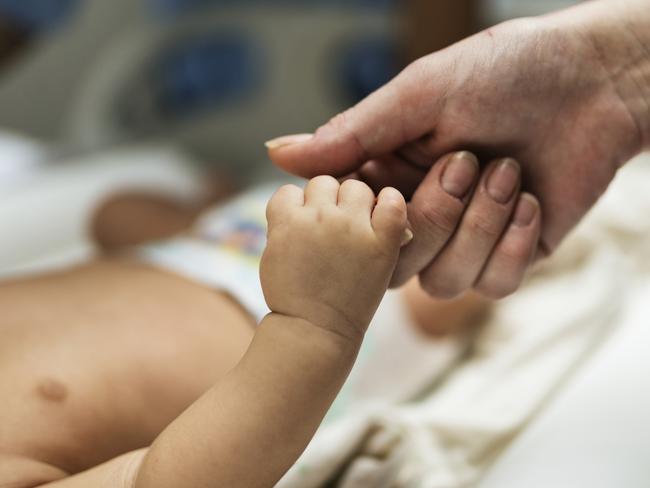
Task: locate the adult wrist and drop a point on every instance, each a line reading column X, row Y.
column 619, row 35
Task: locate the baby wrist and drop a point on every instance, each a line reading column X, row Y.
column 305, row 333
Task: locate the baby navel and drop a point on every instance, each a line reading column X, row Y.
column 52, row 390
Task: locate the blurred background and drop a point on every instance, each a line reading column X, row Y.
column 99, row 98
column 121, row 120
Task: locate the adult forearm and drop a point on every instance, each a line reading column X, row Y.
column 619, row 31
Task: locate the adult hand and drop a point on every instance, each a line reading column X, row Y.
column 566, row 95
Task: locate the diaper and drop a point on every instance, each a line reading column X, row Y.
column 223, row 250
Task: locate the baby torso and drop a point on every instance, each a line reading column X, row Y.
column 97, row 361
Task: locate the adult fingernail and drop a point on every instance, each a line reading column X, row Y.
column 287, row 140
column 460, row 174
column 525, row 212
column 503, row 181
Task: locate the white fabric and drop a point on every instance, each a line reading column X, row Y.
column 396, row 363
column 20, row 157
column 223, row 250
column 595, row 433
column 212, row 267
column 46, row 208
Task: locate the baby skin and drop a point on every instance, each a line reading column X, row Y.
column 126, row 377
column 330, row 256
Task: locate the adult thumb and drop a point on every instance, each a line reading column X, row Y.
column 378, row 125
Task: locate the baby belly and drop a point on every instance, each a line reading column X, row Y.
column 97, row 361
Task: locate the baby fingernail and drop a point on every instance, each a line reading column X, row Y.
column 287, row 140
column 460, row 174
column 503, row 181
column 407, row 237
column 392, row 196
column 525, row 212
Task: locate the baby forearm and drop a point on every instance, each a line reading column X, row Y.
column 248, row 430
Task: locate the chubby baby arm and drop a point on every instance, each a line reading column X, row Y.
column 332, row 250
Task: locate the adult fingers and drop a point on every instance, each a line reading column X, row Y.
column 436, row 210
column 514, row 253
column 456, row 269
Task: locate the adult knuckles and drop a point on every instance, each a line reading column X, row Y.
column 434, row 218
column 485, row 226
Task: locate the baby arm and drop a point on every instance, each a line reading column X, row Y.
column 329, row 259
column 331, row 252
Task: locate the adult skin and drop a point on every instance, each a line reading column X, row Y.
column 567, row 95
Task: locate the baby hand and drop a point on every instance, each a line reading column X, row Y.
column 331, row 252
